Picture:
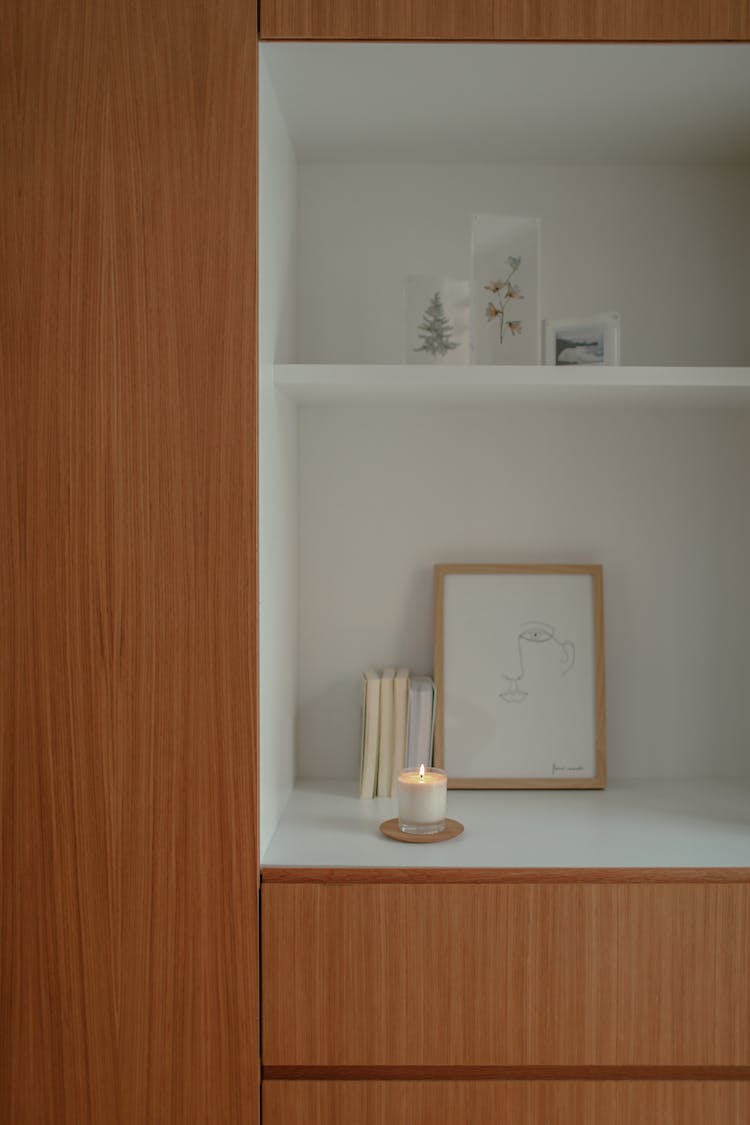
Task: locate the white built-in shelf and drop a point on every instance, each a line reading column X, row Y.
column 387, row 384
column 630, row 824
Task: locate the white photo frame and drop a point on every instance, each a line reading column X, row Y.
column 519, row 676
column 583, row 341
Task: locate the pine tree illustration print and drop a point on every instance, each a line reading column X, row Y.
column 436, row 331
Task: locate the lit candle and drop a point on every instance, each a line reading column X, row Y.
column 422, row 800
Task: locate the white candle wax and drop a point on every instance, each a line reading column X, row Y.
column 422, row 798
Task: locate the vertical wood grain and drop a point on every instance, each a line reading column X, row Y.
column 517, row 1103
column 506, row 975
column 128, row 944
column 565, row 20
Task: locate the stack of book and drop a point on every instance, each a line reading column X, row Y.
column 398, row 720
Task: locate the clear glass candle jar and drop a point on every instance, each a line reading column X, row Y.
column 422, row 800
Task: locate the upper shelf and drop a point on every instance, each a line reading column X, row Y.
column 389, row 384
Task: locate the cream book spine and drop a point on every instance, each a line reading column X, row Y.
column 368, row 770
column 385, row 741
column 400, row 710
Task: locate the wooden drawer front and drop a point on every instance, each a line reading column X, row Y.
column 506, row 1103
column 506, row 975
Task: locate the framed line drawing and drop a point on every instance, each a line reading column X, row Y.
column 519, row 676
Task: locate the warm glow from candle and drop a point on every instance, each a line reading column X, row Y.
column 421, row 777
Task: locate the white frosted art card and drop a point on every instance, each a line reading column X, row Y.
column 438, row 321
column 506, row 324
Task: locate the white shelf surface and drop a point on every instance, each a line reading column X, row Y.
column 321, row 384
column 630, row 824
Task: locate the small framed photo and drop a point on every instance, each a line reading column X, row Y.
column 519, row 676
column 588, row 341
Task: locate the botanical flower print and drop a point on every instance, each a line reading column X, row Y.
column 504, row 291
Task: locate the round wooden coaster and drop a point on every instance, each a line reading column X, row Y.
column 391, row 829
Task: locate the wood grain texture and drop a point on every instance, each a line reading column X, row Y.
column 599, row 778
column 565, row 20
column 508, row 1073
column 506, row 975
column 498, row 1103
column 128, row 990
column 351, row 876
column 451, row 829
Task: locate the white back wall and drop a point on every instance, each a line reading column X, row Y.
column 666, row 247
column 277, row 456
column 658, row 496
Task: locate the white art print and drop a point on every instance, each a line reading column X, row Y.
column 438, row 321
column 519, row 675
column 506, row 326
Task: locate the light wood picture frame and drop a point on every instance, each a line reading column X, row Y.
column 519, row 676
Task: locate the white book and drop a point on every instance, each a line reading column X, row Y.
column 368, row 770
column 400, row 710
column 386, row 739
column 420, row 721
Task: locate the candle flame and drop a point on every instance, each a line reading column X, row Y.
column 421, row 772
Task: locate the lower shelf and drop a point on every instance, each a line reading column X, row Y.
column 506, row 1103
column 654, row 824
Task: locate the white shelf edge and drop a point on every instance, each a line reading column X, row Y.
column 311, row 384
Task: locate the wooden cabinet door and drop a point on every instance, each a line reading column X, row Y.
column 128, row 932
column 506, row 1103
column 505, row 19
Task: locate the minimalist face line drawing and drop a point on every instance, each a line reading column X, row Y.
column 535, row 633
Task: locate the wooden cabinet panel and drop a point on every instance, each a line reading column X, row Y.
column 506, row 1103
column 506, row 975
column 506, row 19
column 128, row 929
